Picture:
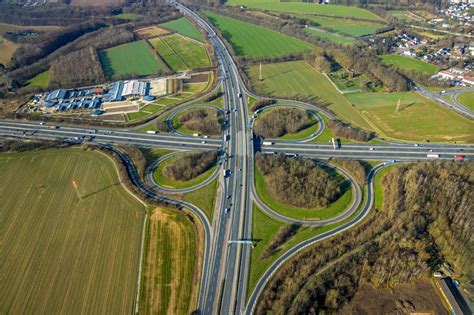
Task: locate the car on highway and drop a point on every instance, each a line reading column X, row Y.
column 371, row 149
column 459, row 156
column 227, row 210
column 203, row 141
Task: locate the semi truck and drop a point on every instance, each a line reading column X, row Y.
column 267, row 143
column 434, row 156
column 153, row 132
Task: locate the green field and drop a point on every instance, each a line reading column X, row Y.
column 127, row 16
column 254, row 41
column 59, row 253
column 467, row 99
column 298, row 79
column 180, row 53
column 332, row 37
column 290, row 211
column 409, row 64
column 418, row 119
column 311, row 8
column 164, row 181
column 184, row 27
column 204, row 198
column 263, row 230
column 40, row 80
column 130, row 58
column 169, row 267
column 348, row 27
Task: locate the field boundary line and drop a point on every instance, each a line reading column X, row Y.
column 142, row 242
column 178, row 56
column 349, row 103
column 121, row 181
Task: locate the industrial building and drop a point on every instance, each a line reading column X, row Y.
column 120, row 96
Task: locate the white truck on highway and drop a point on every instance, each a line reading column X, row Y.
column 267, row 143
column 152, row 132
column 434, row 156
column 196, row 135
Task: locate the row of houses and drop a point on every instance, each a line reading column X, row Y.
column 456, row 74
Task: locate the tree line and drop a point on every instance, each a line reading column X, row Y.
column 425, row 223
column 46, row 43
column 281, row 121
column 343, row 130
column 189, row 166
column 297, row 182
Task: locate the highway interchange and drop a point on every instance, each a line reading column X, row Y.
column 226, row 266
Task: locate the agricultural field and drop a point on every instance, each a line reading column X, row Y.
column 131, row 58
column 467, row 99
column 332, row 37
column 253, row 41
column 298, row 79
column 409, row 64
column 4, row 27
column 181, row 53
column 65, row 250
column 348, row 27
column 7, row 48
column 184, row 27
column 418, row 119
column 309, row 8
column 40, row 80
column 406, row 15
column 150, row 31
column 170, row 271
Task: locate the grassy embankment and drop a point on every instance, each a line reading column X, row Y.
column 467, row 99
column 162, row 180
column 409, row 64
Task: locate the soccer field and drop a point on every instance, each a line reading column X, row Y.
column 304, row 7
column 181, row 53
column 254, row 41
column 130, row 58
column 409, row 64
column 417, row 119
column 60, row 254
column 298, row 79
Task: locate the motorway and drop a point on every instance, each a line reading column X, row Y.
column 226, row 263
